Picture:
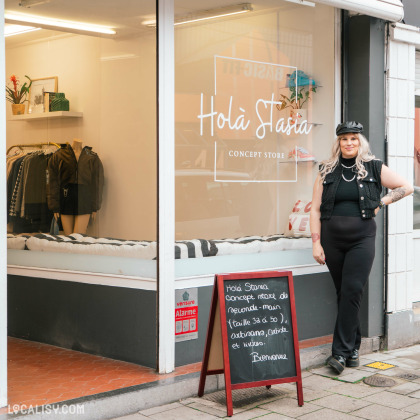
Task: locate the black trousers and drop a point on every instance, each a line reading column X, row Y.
column 349, row 246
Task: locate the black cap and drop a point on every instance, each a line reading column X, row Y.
column 349, row 127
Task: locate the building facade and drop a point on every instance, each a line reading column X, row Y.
column 205, row 123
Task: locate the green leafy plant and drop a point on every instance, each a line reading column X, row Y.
column 298, row 97
column 17, row 95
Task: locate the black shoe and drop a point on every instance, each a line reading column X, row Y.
column 353, row 359
column 337, row 363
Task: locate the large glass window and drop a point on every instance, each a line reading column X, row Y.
column 254, row 114
column 84, row 147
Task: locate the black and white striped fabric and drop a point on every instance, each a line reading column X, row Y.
column 195, row 248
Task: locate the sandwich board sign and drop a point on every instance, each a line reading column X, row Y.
column 252, row 333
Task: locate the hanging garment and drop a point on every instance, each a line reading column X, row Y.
column 66, row 175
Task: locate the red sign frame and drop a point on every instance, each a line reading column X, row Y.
column 216, row 333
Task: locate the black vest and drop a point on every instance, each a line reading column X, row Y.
column 370, row 189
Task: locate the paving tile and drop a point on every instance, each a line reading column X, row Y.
column 324, row 371
column 355, row 376
column 390, row 399
column 218, row 411
column 131, row 417
column 405, row 388
column 271, row 416
column 379, row 412
column 359, row 390
column 182, row 412
column 408, row 351
column 289, row 407
column 407, row 364
column 249, row 414
column 414, row 408
column 393, row 371
column 379, row 357
column 159, row 408
column 415, row 394
column 341, row 403
column 309, row 395
column 190, row 400
column 326, row 414
column 317, row 382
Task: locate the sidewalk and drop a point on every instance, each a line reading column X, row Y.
column 327, row 396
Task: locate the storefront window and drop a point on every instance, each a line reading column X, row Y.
column 416, row 201
column 88, row 156
column 254, row 116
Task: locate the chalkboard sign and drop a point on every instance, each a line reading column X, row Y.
column 252, row 333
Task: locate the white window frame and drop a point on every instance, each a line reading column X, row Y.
column 3, row 228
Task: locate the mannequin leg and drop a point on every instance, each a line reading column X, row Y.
column 67, row 221
column 81, row 223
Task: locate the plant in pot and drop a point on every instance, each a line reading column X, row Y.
column 17, row 94
column 300, row 87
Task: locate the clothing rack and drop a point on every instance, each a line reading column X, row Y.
column 21, row 146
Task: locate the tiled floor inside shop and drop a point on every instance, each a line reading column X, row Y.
column 41, row 374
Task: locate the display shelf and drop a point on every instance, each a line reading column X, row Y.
column 48, row 115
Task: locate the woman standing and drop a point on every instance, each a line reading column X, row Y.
column 346, row 198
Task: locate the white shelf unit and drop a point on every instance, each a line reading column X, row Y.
column 48, row 115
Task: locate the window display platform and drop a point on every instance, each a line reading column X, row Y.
column 40, row 374
column 195, row 248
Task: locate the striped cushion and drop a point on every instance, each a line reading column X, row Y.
column 195, row 248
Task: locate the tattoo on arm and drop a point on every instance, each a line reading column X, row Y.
column 396, row 194
column 315, row 237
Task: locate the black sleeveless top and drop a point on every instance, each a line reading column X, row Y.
column 346, row 201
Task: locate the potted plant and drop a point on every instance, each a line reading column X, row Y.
column 300, row 86
column 17, row 96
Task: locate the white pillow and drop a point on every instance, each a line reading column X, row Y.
column 298, row 223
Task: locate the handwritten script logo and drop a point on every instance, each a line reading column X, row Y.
column 239, row 119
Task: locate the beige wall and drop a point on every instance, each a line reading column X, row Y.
column 113, row 83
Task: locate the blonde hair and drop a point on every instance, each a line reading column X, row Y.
column 364, row 155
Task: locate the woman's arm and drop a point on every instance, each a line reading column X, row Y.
column 315, row 222
column 399, row 187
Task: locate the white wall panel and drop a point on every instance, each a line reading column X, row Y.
column 401, row 145
column 391, row 298
column 402, row 61
column 401, row 253
column 392, row 240
column 402, row 98
column 392, row 135
column 410, row 251
column 401, row 291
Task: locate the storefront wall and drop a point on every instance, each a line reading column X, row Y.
column 403, row 271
